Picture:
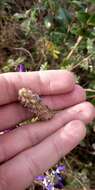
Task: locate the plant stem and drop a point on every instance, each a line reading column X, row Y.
column 74, row 48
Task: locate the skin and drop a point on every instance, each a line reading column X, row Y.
column 28, row 151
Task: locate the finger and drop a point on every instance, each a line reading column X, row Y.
column 41, row 82
column 19, row 172
column 29, row 135
column 65, row 100
column 14, row 113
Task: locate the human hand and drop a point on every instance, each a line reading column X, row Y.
column 28, row 151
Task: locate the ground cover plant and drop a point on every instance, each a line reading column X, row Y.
column 54, row 34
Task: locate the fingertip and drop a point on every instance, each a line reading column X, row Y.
column 75, row 131
column 80, row 91
column 70, row 136
column 69, row 81
column 78, row 128
column 89, row 112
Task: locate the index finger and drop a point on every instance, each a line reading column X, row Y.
column 42, row 82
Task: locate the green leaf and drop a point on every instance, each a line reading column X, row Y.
column 53, row 5
column 82, row 16
column 57, row 38
column 92, row 1
column 91, row 20
column 78, row 3
column 63, row 15
column 3, row 3
column 75, row 29
column 93, row 101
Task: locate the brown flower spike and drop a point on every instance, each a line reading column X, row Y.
column 34, row 104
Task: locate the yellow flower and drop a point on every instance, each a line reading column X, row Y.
column 52, row 49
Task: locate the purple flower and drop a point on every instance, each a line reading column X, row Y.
column 60, row 169
column 40, row 178
column 53, row 180
column 59, row 185
column 59, row 181
column 58, row 178
column 50, row 187
column 21, row 68
column 47, row 183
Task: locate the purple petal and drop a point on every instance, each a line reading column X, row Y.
column 46, row 181
column 21, row 68
column 59, row 181
column 40, row 178
column 60, row 168
column 50, row 187
column 59, row 185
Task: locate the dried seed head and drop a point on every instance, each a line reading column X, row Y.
column 33, row 102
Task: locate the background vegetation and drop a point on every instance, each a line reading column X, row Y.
column 55, row 34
